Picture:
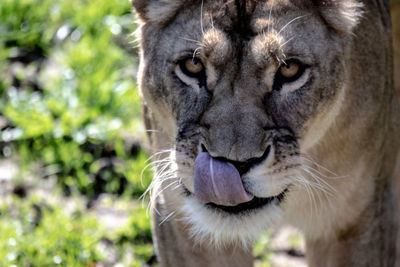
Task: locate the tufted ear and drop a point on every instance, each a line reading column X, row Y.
column 156, row 10
column 342, row 15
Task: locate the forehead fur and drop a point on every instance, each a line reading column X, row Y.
column 340, row 15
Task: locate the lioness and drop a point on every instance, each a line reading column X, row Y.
column 267, row 113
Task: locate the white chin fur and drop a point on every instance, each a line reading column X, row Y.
column 219, row 229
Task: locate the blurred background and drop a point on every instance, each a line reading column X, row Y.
column 72, row 144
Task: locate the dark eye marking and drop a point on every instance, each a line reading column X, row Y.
column 193, row 68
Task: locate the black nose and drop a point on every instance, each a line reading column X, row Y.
column 244, row 166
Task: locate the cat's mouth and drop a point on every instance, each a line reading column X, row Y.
column 254, row 204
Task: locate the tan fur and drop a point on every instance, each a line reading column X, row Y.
column 395, row 12
column 332, row 133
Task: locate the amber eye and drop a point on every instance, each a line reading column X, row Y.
column 289, row 70
column 192, row 67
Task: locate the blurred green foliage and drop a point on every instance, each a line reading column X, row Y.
column 262, row 251
column 138, row 233
column 36, row 233
column 33, row 234
column 70, row 111
column 68, row 94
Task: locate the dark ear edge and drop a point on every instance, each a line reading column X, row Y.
column 140, row 7
column 341, row 15
column 158, row 11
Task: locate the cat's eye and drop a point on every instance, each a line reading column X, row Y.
column 289, row 72
column 192, row 67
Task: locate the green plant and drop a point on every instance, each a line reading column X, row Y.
column 68, row 93
column 137, row 235
column 70, row 110
column 35, row 234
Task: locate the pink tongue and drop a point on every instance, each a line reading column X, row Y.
column 218, row 182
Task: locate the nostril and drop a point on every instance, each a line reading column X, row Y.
column 203, row 148
column 245, row 166
column 248, row 164
column 255, row 161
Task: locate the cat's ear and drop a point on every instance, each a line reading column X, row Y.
column 341, row 15
column 156, row 10
column 140, row 7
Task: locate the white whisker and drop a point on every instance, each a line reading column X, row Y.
column 159, row 153
column 302, row 182
column 166, row 218
column 151, row 164
column 191, row 40
column 269, row 20
column 285, row 43
column 321, row 181
column 196, row 52
column 290, row 22
column 201, row 17
column 309, row 159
